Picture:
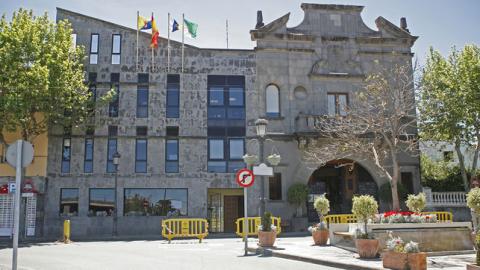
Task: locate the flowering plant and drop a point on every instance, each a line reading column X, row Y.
column 405, row 217
column 272, row 228
column 321, row 226
column 416, row 203
column 396, row 244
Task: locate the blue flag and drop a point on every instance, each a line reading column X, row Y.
column 175, row 26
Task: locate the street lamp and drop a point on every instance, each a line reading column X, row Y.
column 261, row 126
column 116, row 161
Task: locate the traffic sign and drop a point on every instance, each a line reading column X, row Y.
column 263, row 169
column 27, row 154
column 245, row 178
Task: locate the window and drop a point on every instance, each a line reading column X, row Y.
column 115, row 84
column 111, row 150
column 74, row 40
column 273, row 101
column 142, row 102
column 101, row 202
column 92, row 85
column 69, row 202
column 88, row 158
column 141, row 156
column 142, row 131
column 275, row 187
column 227, row 158
column 155, row 202
column 116, row 49
column 171, row 164
column 66, row 155
column 448, row 156
column 173, row 96
column 94, row 49
column 112, row 131
column 337, row 104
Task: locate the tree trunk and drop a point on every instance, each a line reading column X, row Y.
column 461, row 163
column 393, row 183
column 475, row 153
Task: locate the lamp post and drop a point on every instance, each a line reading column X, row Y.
column 116, row 161
column 261, row 127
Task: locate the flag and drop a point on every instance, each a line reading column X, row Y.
column 143, row 23
column 190, row 28
column 175, row 25
column 154, row 43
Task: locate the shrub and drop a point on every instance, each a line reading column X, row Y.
column 322, row 205
column 416, row 203
column 364, row 207
column 473, row 200
column 266, row 222
column 297, row 194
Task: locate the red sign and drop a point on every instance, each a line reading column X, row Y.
column 28, row 187
column 245, row 177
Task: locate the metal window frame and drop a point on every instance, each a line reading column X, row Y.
column 146, row 154
column 119, row 48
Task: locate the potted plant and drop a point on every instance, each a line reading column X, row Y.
column 476, row 265
column 365, row 207
column 473, row 202
column 416, row 203
column 320, row 231
column 267, row 232
column 297, row 195
column 401, row 256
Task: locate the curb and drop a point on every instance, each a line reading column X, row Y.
column 273, row 253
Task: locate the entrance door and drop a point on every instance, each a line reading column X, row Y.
column 233, row 209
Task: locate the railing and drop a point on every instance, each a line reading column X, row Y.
column 184, row 227
column 253, row 223
column 311, row 123
column 350, row 218
column 439, row 199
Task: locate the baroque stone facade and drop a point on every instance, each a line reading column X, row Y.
column 329, row 52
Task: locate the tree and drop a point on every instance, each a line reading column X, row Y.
column 450, row 102
column 42, row 76
column 379, row 125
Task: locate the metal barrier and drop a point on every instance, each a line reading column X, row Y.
column 66, row 231
column 350, row 218
column 184, row 227
column 253, row 223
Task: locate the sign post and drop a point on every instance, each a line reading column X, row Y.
column 245, row 179
column 19, row 155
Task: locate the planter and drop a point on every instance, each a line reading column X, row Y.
column 266, row 239
column 400, row 261
column 320, row 237
column 367, row 248
column 473, row 267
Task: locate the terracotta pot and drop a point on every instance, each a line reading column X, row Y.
column 394, row 260
column 320, row 237
column 417, row 261
column 473, row 267
column 367, row 248
column 266, row 239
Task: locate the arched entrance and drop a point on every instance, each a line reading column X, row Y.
column 340, row 180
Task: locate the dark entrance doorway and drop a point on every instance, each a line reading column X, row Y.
column 233, row 210
column 339, row 180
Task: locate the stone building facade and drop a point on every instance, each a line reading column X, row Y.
column 182, row 135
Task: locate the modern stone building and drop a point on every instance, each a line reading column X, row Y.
column 182, row 135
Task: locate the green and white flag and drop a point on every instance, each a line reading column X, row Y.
column 190, row 28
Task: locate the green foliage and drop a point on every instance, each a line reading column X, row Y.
column 297, row 194
column 364, row 207
column 477, row 242
column 267, row 222
column 473, row 200
column 322, row 205
column 416, row 203
column 42, row 80
column 440, row 176
column 385, row 192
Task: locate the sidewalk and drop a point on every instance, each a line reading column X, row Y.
column 302, row 249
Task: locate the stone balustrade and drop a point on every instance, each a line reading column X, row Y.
column 452, row 199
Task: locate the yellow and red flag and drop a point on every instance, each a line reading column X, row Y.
column 155, row 34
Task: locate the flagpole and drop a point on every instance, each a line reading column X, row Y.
column 168, row 45
column 227, row 31
column 136, row 60
column 153, row 58
column 183, row 39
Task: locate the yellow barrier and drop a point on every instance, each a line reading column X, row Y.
column 253, row 223
column 66, row 231
column 350, row 218
column 184, row 227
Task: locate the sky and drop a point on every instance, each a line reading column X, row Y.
column 440, row 23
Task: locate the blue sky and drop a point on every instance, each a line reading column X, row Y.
column 440, row 23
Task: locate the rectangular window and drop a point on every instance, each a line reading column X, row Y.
column 142, row 102
column 111, row 150
column 94, row 49
column 69, row 202
column 101, row 202
column 116, row 48
column 155, row 202
column 142, row 131
column 173, row 96
column 66, row 155
column 88, row 159
column 171, row 164
column 141, row 156
column 235, row 96
column 114, row 104
column 275, row 187
column 74, row 41
column 112, row 131
column 92, row 85
column 337, row 104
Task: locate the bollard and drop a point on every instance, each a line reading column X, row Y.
column 66, row 231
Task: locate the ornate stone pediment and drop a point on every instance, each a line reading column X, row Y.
column 337, row 62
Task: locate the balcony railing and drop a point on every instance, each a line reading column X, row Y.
column 305, row 123
column 440, row 199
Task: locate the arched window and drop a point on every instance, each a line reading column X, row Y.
column 273, row 101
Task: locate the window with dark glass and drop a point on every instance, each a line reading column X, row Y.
column 275, row 187
column 112, row 131
column 114, row 84
column 111, row 148
column 92, row 85
column 116, row 48
column 173, row 95
column 94, row 39
column 88, row 159
column 66, row 155
column 141, row 156
column 171, row 163
column 101, row 202
column 226, row 123
column 142, row 95
column 155, row 202
column 69, row 202
column 337, row 104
